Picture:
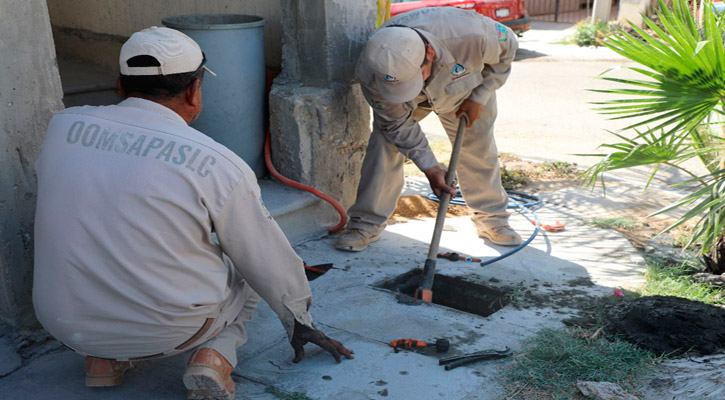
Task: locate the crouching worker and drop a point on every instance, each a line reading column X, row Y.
column 129, row 197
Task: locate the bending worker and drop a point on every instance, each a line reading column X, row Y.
column 451, row 62
column 129, row 199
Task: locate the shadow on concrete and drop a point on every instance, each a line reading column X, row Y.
column 525, row 54
column 61, row 376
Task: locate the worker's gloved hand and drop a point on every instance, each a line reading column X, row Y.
column 303, row 335
column 471, row 109
column 437, row 178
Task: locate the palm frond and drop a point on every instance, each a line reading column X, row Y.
column 684, row 79
column 647, row 148
column 676, row 103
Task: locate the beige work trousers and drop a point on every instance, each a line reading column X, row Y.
column 228, row 333
column 479, row 174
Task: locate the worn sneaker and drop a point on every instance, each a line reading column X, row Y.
column 501, row 235
column 354, row 239
column 102, row 372
column 208, row 375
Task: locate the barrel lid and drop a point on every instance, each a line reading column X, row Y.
column 213, row 21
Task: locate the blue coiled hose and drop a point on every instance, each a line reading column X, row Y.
column 523, row 202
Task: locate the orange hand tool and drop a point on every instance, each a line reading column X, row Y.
column 557, row 227
column 441, row 345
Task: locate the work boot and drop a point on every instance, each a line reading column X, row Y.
column 208, row 375
column 502, row 235
column 102, row 372
column 355, row 239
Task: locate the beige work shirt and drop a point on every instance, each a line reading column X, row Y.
column 125, row 264
column 473, row 58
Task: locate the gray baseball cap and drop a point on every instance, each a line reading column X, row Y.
column 395, row 55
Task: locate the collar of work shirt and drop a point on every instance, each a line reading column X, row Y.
column 442, row 57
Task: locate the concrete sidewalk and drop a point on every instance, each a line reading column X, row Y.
column 558, row 269
column 547, row 280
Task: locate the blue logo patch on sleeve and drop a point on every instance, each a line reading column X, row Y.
column 502, row 34
column 458, row 70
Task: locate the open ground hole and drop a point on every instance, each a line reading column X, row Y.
column 452, row 292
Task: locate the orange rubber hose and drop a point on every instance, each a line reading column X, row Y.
column 306, row 188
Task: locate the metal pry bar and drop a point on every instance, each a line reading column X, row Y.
column 457, row 361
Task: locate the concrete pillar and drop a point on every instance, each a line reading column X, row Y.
column 30, row 92
column 601, row 10
column 320, row 121
column 630, row 11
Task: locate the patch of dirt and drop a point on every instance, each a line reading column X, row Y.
column 669, row 325
column 583, row 281
column 533, row 176
column 530, row 297
column 517, row 174
column 418, row 207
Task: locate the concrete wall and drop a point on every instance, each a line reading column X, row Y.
column 319, row 119
column 30, row 93
column 630, row 11
column 94, row 30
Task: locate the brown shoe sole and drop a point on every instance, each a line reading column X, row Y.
column 205, row 383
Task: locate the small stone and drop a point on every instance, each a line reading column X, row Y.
column 604, row 391
column 327, row 377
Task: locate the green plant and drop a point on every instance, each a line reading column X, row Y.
column 679, row 101
column 508, row 157
column 668, row 278
column 590, row 34
column 554, row 360
column 560, row 167
column 514, row 178
column 614, row 223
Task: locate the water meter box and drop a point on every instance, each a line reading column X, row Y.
column 233, row 113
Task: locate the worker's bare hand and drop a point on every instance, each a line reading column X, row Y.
column 437, row 178
column 304, row 334
column 472, row 111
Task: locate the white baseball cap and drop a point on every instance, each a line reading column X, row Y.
column 395, row 54
column 175, row 52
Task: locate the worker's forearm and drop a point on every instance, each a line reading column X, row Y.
column 409, row 139
column 263, row 256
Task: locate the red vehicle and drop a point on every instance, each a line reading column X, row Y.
column 511, row 13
